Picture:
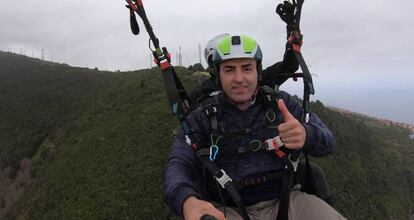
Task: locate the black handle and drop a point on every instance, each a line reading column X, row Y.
column 207, row 217
column 133, row 23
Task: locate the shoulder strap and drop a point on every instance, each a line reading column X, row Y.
column 212, row 109
column 270, row 98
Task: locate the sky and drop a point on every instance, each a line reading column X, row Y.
column 360, row 51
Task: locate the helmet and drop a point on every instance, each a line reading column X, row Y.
column 211, row 48
column 237, row 46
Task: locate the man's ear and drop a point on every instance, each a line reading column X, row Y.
column 217, row 75
column 259, row 71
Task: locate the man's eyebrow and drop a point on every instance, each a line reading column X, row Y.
column 229, row 66
column 246, row 65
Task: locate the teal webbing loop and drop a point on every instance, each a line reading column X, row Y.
column 214, row 149
column 213, row 152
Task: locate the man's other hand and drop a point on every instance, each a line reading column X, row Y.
column 292, row 132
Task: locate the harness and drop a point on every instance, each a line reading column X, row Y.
column 273, row 146
column 211, row 107
column 180, row 103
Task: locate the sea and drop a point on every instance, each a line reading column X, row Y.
column 380, row 96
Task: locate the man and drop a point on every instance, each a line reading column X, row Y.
column 242, row 119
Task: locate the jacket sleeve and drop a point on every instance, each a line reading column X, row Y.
column 319, row 139
column 180, row 174
column 271, row 76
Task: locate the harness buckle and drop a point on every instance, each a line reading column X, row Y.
column 187, row 140
column 224, row 179
column 294, row 163
column 275, row 144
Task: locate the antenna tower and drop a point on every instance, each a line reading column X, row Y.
column 180, row 58
column 199, row 53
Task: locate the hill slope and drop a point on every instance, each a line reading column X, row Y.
column 96, row 144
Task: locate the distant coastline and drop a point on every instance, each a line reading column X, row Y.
column 388, row 122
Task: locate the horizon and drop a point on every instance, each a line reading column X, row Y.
column 357, row 53
column 324, row 94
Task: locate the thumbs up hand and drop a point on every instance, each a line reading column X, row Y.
column 292, row 132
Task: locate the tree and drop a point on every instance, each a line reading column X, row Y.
column 196, row 67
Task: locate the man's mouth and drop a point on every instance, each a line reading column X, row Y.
column 239, row 88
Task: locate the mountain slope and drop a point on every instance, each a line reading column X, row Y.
column 98, row 143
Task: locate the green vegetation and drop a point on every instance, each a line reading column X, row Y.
column 98, row 143
column 196, row 67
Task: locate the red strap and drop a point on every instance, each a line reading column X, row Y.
column 280, row 153
column 139, row 3
column 165, row 65
column 295, row 47
column 132, row 6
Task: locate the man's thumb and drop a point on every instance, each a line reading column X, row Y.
column 283, row 109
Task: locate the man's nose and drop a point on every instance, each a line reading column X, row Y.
column 238, row 76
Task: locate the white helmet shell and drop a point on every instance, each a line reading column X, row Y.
column 237, row 46
column 210, row 48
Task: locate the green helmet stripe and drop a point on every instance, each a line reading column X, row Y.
column 237, row 46
column 249, row 44
column 225, row 45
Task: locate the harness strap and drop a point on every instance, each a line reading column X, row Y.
column 211, row 111
column 287, row 11
column 226, row 183
column 274, row 144
column 285, row 193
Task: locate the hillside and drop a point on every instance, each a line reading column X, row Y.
column 78, row 143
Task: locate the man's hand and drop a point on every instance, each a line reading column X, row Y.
column 292, row 132
column 194, row 208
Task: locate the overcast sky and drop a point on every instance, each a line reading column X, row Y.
column 349, row 44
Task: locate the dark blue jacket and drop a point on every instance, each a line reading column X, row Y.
column 181, row 175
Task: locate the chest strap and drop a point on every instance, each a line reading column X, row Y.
column 274, row 144
column 273, row 118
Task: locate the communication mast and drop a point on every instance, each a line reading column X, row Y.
column 199, row 53
column 176, row 58
column 180, row 58
column 150, row 60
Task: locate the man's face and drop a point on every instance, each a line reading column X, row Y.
column 239, row 79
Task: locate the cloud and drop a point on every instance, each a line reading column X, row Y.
column 350, row 45
column 339, row 36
